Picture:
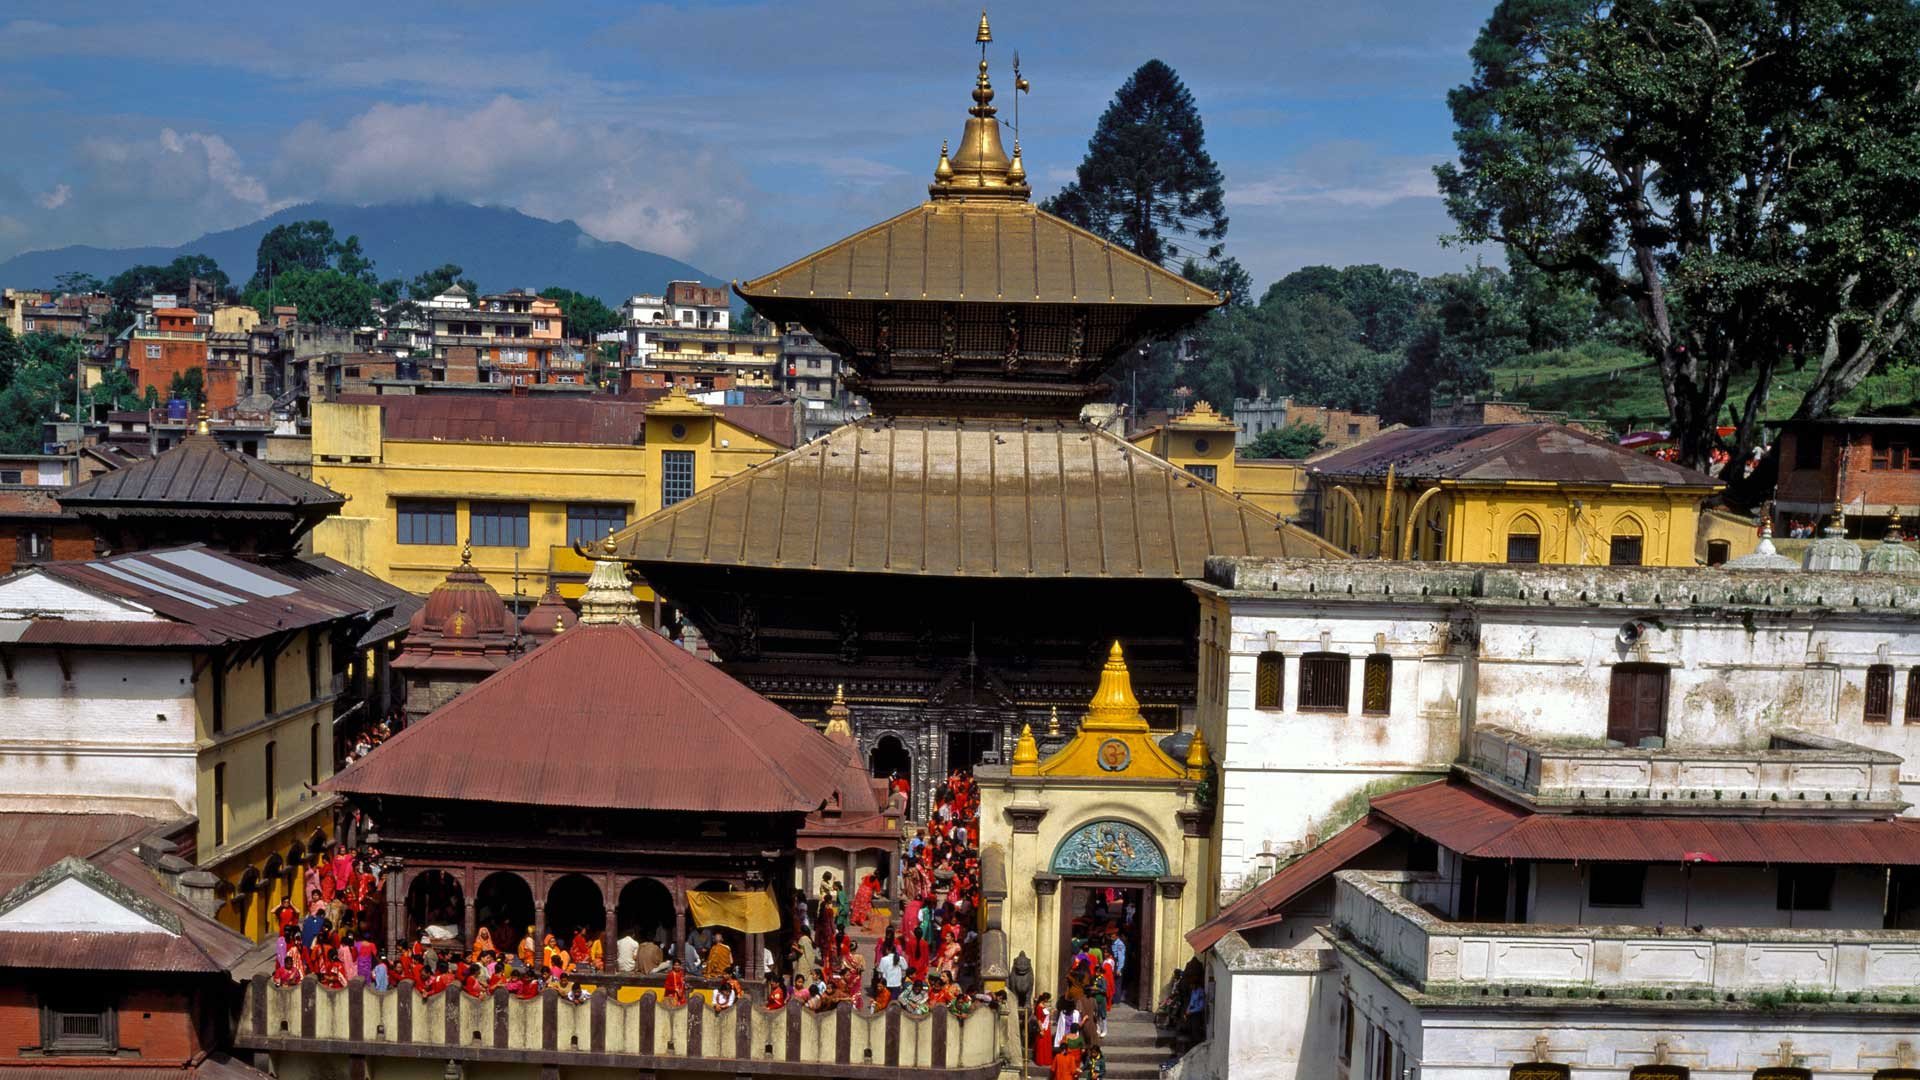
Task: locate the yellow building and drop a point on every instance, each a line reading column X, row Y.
column 1202, row 442
column 752, row 361
column 235, row 318
column 1109, row 832
column 524, row 478
column 1521, row 493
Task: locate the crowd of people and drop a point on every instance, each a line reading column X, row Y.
column 326, row 923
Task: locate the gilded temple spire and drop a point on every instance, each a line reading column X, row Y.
column 979, row 167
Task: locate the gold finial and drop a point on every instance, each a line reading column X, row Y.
column 943, row 172
column 1016, row 172
column 203, row 426
column 1893, row 526
column 1114, row 708
column 839, row 717
column 1197, row 754
column 840, row 694
column 1838, row 527
column 979, row 168
column 1053, row 722
column 985, row 33
column 1026, row 753
column 607, row 544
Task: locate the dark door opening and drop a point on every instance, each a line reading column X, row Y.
column 890, row 759
column 966, row 748
column 1093, row 914
column 1637, row 704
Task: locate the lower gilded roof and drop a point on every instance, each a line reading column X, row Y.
column 967, row 498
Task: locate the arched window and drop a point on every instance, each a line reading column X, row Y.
column 1879, row 694
column 1523, row 540
column 1268, row 675
column 1627, row 547
column 1376, row 690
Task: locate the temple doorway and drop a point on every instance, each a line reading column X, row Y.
column 965, row 749
column 435, row 907
column 890, row 759
column 646, row 911
column 504, row 905
column 1093, row 914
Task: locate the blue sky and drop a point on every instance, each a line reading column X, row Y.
column 735, row 135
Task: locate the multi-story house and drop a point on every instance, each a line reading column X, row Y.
column 687, row 305
column 518, row 338
column 710, row 359
column 169, row 343
column 1868, row 465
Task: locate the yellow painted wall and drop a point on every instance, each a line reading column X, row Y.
column 351, row 457
column 1279, row 487
column 1576, row 523
column 239, row 747
column 1738, row 531
column 234, row 319
column 1210, row 449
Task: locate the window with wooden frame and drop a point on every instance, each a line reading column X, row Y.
column 1891, row 455
column 78, row 1024
column 1912, row 712
column 1376, row 685
column 1523, row 540
column 1879, row 708
column 1806, row 449
column 1269, row 678
column 1637, row 703
column 1323, row 682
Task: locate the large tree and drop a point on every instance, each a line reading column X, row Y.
column 37, row 373
column 1147, row 178
column 1745, row 172
column 325, row 296
column 587, row 317
column 431, row 283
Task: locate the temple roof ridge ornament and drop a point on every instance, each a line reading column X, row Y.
column 1114, row 740
column 980, row 168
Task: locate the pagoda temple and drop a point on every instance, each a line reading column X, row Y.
column 961, row 559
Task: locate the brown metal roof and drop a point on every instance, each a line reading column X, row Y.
column 77, row 951
column 199, row 471
column 207, row 597
column 1257, row 904
column 389, row 606
column 616, row 717
column 31, row 842
column 967, row 498
column 595, row 421
column 999, row 249
column 1481, row 825
column 1498, row 452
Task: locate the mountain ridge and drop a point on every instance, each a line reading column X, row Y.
column 498, row 247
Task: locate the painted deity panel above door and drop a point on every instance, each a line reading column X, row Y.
column 1109, row 849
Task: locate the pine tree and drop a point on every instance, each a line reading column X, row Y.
column 1147, row 178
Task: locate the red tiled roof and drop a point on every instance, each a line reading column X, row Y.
column 1500, row 452
column 773, row 423
column 617, row 717
column 1480, row 825
column 1260, row 902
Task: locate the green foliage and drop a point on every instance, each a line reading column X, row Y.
column 76, row 281
column 189, row 386
column 1224, row 276
column 1295, row 440
column 37, row 373
column 326, row 296
column 116, row 390
column 433, row 282
column 1742, row 174
column 297, row 245
column 1147, row 177
column 1386, row 304
column 135, row 283
column 586, row 316
column 1472, row 322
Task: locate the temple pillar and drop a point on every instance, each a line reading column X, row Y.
column 466, row 923
column 679, row 915
column 806, row 889
column 853, row 872
column 751, row 963
column 609, row 938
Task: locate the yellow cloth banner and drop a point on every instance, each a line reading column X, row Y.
column 747, row 912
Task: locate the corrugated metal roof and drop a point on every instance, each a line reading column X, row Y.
column 979, row 250
column 211, row 1067
column 1259, row 903
column 392, row 605
column 199, row 471
column 966, row 498
column 31, row 842
column 1496, row 452
column 587, row 421
column 74, row 951
column 617, row 717
column 209, row 596
column 1478, row 824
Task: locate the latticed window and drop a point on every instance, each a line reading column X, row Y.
column 1376, row 691
column 1268, row 672
column 1323, row 682
column 1880, row 694
column 676, row 476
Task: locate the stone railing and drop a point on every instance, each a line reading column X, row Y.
column 601, row 1032
column 1448, row 958
column 1797, row 771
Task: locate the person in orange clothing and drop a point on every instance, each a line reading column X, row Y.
column 1066, row 1058
column 675, row 990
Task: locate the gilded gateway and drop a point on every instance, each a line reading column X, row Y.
column 961, row 559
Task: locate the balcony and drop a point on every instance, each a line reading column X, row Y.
column 602, row 1032
column 1500, row 960
column 1797, row 772
column 169, row 335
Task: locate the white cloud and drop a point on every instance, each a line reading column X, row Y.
column 55, row 199
column 653, row 190
column 1340, row 173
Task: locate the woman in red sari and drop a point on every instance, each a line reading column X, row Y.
column 863, row 900
column 1043, row 1031
column 675, row 990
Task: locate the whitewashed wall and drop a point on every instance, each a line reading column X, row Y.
column 119, row 736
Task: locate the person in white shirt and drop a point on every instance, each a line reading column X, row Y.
column 892, row 970
column 626, row 953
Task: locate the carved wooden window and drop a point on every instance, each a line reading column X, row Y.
column 1782, row 1072
column 1637, row 703
column 1376, row 690
column 1658, row 1072
column 78, row 1024
column 1268, row 680
column 1912, row 711
column 1323, row 682
column 1540, row 1070
column 1879, row 694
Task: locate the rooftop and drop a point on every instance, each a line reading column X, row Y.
column 505, row 418
column 199, row 474
column 669, row 732
column 1495, row 453
column 966, row 498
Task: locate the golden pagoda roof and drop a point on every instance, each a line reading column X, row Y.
column 966, row 498
column 1114, row 741
column 979, row 250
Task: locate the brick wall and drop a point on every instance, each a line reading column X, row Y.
column 71, row 540
column 156, row 1021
